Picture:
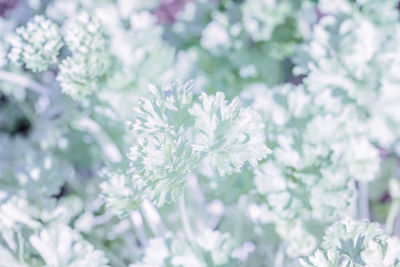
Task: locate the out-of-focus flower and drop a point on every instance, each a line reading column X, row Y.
column 36, row 45
column 7, row 5
column 300, row 241
column 80, row 73
column 119, row 193
column 59, row 245
column 210, row 248
column 355, row 243
column 168, row 10
column 363, row 160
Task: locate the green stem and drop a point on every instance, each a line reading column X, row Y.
column 363, row 200
column 20, row 247
column 137, row 221
column 24, row 82
column 153, row 218
column 280, row 256
column 394, row 208
column 184, row 219
column 109, row 148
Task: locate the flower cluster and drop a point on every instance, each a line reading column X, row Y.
column 36, row 45
column 79, row 73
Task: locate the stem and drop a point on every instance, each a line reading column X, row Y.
column 363, row 200
column 153, row 218
column 109, row 148
column 28, row 112
column 280, row 256
column 137, row 221
column 391, row 218
column 20, row 247
column 184, row 219
column 24, row 82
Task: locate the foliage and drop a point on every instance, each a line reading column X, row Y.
column 199, row 133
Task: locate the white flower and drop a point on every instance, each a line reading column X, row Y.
column 363, row 159
column 36, row 45
column 210, row 248
column 300, row 241
column 214, row 36
column 155, row 254
column 80, row 73
column 260, row 17
column 220, row 245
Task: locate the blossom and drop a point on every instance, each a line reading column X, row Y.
column 80, row 73
column 36, row 45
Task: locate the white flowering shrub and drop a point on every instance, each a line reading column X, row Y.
column 196, row 133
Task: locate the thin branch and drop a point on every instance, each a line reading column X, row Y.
column 280, row 256
column 185, row 221
column 137, row 221
column 391, row 218
column 363, row 200
column 24, row 82
column 153, row 218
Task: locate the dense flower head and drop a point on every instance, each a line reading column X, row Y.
column 36, row 45
column 85, row 34
column 77, row 76
column 80, row 73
